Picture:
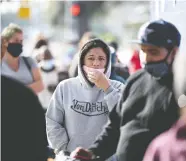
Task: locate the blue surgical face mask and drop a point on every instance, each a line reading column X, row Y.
column 158, row 69
column 47, row 64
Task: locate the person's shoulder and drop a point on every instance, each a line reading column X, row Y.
column 18, row 93
column 15, row 94
column 15, row 86
column 10, row 82
column 140, row 74
column 68, row 82
column 138, row 79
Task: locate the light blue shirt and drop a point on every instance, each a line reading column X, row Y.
column 22, row 74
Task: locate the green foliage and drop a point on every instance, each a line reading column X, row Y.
column 108, row 37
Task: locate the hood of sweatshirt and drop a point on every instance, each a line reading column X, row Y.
column 94, row 43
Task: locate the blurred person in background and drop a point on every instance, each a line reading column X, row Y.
column 23, row 69
column 134, row 64
column 114, row 60
column 118, row 68
column 115, row 45
column 40, row 46
column 80, row 106
column 22, row 121
column 41, row 41
column 171, row 145
column 49, row 76
column 122, row 70
column 147, row 106
column 73, row 70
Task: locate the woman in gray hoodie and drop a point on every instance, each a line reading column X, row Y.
column 80, row 106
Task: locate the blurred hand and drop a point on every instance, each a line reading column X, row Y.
column 99, row 79
column 80, row 153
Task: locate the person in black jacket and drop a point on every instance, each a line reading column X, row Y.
column 147, row 106
column 23, row 124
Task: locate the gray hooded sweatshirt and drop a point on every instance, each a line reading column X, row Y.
column 78, row 111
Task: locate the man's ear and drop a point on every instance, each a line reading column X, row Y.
column 173, row 53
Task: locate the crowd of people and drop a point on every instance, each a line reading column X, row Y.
column 98, row 112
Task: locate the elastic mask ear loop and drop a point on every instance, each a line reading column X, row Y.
column 169, row 53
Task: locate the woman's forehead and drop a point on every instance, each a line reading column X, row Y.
column 18, row 35
column 96, row 52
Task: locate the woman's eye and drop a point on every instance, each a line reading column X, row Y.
column 90, row 58
column 101, row 59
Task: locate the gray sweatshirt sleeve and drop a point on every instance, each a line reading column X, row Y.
column 113, row 93
column 56, row 132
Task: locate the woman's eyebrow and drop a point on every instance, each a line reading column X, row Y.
column 90, row 55
column 102, row 56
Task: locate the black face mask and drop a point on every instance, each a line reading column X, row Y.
column 15, row 49
column 160, row 68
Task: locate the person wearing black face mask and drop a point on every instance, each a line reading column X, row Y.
column 147, row 106
column 23, row 69
column 158, row 47
column 15, row 49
